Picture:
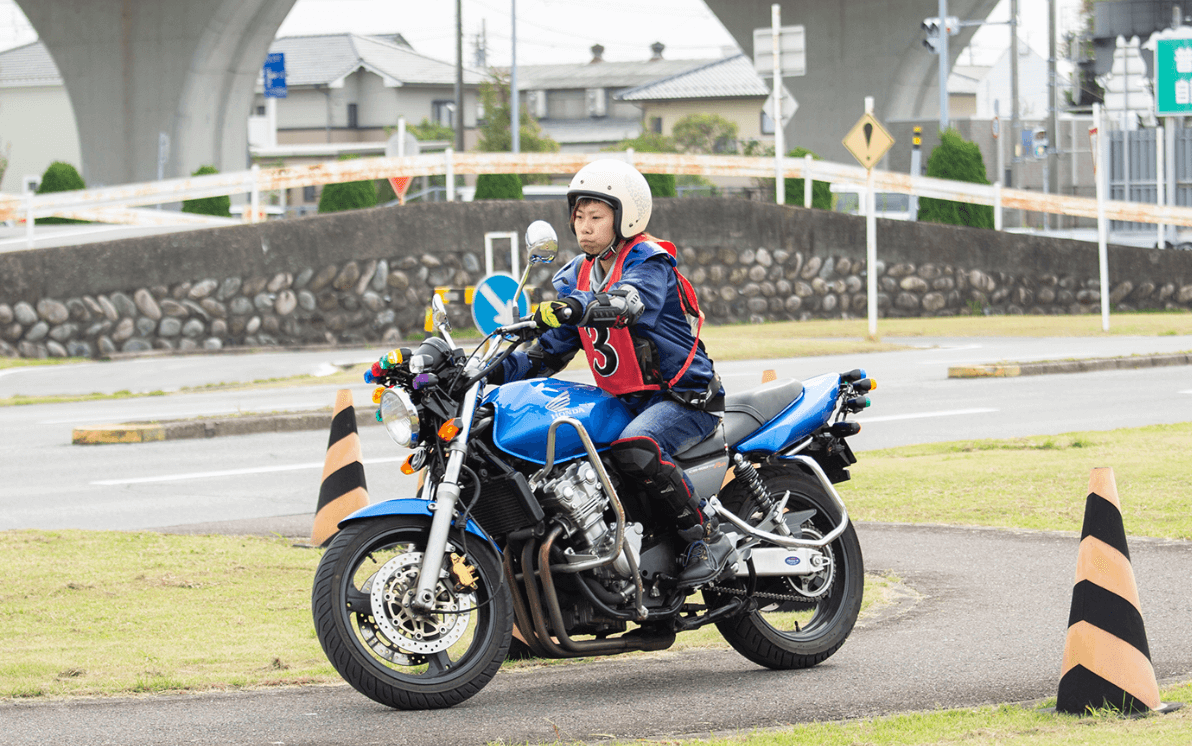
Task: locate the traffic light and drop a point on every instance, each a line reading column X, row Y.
column 931, row 31
column 1039, row 143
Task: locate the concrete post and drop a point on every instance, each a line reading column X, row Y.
column 779, row 135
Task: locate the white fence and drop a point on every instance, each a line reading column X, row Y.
column 119, row 204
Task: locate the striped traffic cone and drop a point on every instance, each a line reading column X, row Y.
column 343, row 491
column 1107, row 663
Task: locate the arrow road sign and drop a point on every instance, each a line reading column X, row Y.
column 493, row 304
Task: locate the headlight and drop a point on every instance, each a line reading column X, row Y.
column 400, row 417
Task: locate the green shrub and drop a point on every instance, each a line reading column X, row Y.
column 385, row 193
column 661, row 185
column 219, row 206
column 821, row 191
column 59, row 177
column 958, row 160
column 498, row 186
column 349, row 195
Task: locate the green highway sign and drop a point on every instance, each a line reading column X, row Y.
column 1173, row 77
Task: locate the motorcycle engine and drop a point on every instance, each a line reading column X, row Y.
column 576, row 496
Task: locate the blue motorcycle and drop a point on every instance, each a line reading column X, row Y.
column 524, row 539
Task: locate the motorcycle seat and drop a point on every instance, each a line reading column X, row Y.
column 744, row 413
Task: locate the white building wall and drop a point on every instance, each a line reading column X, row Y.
column 37, row 127
column 1032, row 87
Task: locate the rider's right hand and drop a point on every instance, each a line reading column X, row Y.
column 552, row 314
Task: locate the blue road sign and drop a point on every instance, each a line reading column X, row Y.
column 492, row 302
column 275, row 75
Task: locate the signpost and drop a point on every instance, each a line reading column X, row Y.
column 493, row 304
column 789, row 59
column 868, row 141
column 274, row 74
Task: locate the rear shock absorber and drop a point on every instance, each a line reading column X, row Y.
column 743, row 469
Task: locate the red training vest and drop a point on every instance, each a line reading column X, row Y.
column 610, row 351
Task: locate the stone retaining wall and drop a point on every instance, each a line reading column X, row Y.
column 366, row 276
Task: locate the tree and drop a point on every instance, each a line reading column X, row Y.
column 498, row 186
column 428, row 130
column 661, row 185
column 705, row 133
column 495, row 135
column 959, row 160
column 821, row 191
column 59, row 177
column 349, row 195
column 219, row 205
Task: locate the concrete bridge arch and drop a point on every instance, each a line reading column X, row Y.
column 137, row 68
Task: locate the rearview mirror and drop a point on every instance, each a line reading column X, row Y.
column 439, row 313
column 542, row 242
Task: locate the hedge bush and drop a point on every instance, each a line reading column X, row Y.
column 499, row 186
column 219, row 206
column 661, row 185
column 956, row 159
column 59, row 177
column 821, row 191
column 348, row 195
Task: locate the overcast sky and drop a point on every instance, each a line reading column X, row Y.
column 563, row 30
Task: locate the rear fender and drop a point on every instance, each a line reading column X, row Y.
column 408, row 506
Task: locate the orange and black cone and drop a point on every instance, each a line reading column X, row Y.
column 1107, row 662
column 343, row 491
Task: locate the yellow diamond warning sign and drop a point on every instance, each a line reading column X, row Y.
column 868, row 140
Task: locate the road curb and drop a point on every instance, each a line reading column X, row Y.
column 1011, row 370
column 148, row 432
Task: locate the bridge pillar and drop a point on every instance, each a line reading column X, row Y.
column 135, row 69
column 855, row 48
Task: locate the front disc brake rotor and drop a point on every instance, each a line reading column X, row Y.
column 393, row 588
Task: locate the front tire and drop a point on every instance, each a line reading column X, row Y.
column 784, row 633
column 386, row 651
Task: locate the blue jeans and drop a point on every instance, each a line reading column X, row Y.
column 673, row 426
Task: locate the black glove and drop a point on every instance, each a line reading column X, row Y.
column 552, row 314
column 619, row 308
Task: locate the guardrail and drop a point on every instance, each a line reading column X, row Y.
column 117, row 204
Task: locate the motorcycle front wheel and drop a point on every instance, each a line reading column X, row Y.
column 801, row 619
column 386, row 650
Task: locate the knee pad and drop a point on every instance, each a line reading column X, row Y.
column 640, row 459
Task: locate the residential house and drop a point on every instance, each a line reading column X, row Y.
column 37, row 121
column 578, row 104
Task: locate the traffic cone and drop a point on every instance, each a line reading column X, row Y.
column 769, row 375
column 343, row 491
column 1107, row 663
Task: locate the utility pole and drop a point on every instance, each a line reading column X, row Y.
column 1015, row 126
column 943, row 69
column 459, row 77
column 514, row 103
column 1053, row 135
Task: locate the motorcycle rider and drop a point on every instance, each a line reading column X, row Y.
column 622, row 301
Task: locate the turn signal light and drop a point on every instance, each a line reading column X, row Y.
column 377, row 394
column 866, row 384
column 449, row 430
column 407, row 466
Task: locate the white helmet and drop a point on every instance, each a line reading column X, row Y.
column 621, row 186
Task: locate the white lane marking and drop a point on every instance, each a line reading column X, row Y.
column 922, row 415
column 292, row 407
column 234, row 472
column 1189, row 391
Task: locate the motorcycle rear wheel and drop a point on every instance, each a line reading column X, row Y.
column 386, row 651
column 786, row 634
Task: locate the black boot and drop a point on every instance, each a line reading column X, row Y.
column 706, row 555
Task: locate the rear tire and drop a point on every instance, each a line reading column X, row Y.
column 386, row 651
column 797, row 634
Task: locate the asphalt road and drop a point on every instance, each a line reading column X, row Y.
column 275, row 475
column 982, row 621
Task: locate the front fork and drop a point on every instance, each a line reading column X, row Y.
column 444, row 496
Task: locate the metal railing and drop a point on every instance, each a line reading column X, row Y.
column 118, row 204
